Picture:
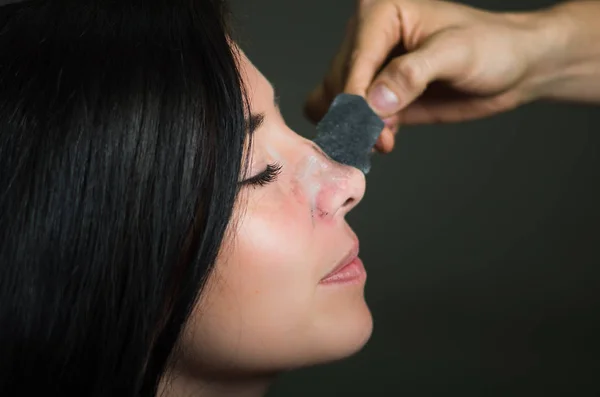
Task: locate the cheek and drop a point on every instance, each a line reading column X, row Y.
column 273, row 249
column 263, row 287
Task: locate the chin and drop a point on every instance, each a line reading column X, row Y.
column 351, row 336
column 342, row 337
column 325, row 341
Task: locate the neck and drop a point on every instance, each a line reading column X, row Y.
column 187, row 385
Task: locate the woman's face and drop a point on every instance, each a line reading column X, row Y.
column 268, row 305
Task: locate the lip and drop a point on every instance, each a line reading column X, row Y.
column 347, row 270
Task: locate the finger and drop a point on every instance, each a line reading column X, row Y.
column 364, row 3
column 441, row 57
column 385, row 142
column 378, row 31
column 454, row 111
column 393, row 123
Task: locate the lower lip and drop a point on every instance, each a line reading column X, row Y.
column 354, row 272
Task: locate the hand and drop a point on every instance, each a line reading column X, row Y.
column 427, row 61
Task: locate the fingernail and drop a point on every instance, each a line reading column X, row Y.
column 382, row 99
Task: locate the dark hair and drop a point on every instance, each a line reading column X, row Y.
column 121, row 139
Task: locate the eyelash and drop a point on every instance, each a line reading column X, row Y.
column 267, row 176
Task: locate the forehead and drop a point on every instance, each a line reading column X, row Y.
column 259, row 88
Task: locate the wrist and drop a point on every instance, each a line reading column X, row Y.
column 563, row 52
column 545, row 37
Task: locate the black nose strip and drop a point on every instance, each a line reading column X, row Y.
column 349, row 131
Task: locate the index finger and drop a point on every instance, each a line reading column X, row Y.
column 378, row 32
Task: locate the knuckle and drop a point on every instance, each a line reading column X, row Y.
column 383, row 7
column 408, row 73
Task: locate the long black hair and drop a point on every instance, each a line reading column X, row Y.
column 122, row 129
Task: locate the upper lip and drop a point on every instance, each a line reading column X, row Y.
column 349, row 257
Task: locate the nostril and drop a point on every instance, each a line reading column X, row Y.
column 349, row 202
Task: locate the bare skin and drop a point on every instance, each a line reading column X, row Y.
column 270, row 304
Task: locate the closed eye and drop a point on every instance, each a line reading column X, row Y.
column 265, row 177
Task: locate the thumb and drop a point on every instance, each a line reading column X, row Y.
column 405, row 78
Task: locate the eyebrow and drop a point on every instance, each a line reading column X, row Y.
column 254, row 122
column 257, row 119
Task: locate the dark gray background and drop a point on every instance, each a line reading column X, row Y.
column 480, row 238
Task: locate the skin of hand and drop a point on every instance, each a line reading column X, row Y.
column 430, row 61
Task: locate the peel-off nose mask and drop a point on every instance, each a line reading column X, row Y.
column 349, row 131
column 318, row 178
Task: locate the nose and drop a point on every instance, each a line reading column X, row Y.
column 338, row 188
column 346, row 193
